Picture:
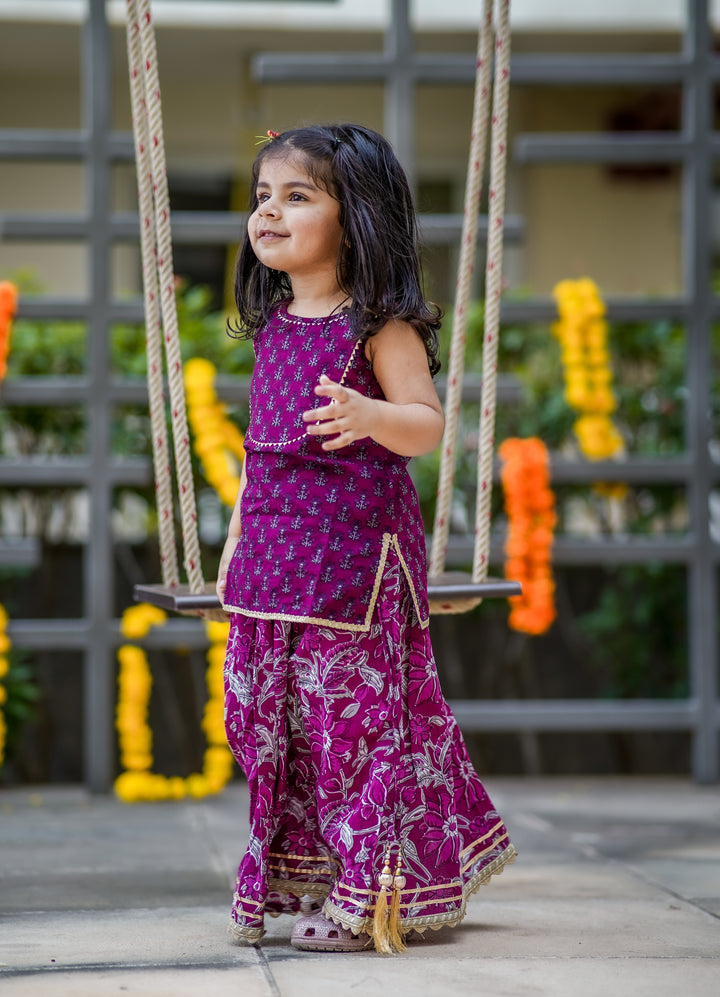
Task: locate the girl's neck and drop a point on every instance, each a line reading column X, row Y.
column 313, row 299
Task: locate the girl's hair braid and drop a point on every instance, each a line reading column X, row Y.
column 378, row 266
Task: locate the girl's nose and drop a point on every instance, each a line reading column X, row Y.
column 267, row 207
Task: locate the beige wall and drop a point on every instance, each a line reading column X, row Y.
column 581, row 219
column 622, row 233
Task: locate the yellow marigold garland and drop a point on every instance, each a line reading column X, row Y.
column 4, row 669
column 219, row 447
column 218, row 441
column 530, row 507
column 8, row 310
column 137, row 782
column 582, row 333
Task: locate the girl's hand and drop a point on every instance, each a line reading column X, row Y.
column 228, row 551
column 349, row 416
column 408, row 421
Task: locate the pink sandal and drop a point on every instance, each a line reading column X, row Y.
column 318, row 934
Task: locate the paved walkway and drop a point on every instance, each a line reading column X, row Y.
column 616, row 892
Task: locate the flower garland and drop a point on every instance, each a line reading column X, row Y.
column 8, row 310
column 582, row 333
column 137, row 782
column 219, row 446
column 218, row 441
column 530, row 507
column 4, row 669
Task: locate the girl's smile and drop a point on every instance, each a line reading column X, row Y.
column 296, row 224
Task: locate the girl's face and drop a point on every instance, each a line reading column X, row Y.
column 296, row 225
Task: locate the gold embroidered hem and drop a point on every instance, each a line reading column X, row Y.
column 363, row 922
column 388, row 540
column 495, row 868
column 335, row 907
column 297, row 888
column 244, row 935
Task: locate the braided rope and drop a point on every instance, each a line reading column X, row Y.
column 493, row 289
column 466, row 266
column 153, row 322
column 166, row 279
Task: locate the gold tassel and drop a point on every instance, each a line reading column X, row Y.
column 381, row 935
column 394, row 924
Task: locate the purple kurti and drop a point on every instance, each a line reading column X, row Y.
column 333, row 706
column 317, row 525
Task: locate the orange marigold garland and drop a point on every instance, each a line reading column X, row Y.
column 4, row 669
column 8, row 310
column 530, row 507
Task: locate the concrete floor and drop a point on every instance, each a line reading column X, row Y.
column 616, row 892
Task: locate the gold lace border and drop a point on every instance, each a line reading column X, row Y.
column 450, row 919
column 364, row 627
column 483, row 837
column 241, row 933
column 363, row 922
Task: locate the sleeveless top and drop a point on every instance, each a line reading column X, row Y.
column 316, row 525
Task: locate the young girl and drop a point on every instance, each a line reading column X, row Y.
column 364, row 806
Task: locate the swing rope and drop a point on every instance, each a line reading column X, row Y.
column 493, row 289
column 159, row 283
column 466, row 267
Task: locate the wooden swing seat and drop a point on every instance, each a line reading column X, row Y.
column 453, row 592
column 456, row 592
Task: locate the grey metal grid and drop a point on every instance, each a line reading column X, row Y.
column 696, row 70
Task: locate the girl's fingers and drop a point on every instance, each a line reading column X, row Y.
column 327, row 387
column 338, row 396
column 324, row 429
column 315, row 414
column 337, row 442
column 335, row 419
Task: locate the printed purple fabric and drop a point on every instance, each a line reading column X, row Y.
column 349, row 747
column 317, row 524
column 291, row 352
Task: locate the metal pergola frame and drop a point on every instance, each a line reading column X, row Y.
column 695, row 148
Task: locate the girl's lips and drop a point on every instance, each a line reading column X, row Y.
column 271, row 235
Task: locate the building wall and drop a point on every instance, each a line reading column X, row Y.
column 578, row 219
column 623, row 229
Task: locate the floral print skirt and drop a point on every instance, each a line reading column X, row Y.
column 349, row 749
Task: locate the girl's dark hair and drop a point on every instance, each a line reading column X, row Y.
column 378, row 265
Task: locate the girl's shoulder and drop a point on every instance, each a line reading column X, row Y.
column 397, row 336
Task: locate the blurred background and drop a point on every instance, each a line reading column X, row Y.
column 613, row 175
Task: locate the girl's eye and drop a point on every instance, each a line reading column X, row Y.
column 296, row 197
column 262, row 197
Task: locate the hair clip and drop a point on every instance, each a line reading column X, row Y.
column 269, row 137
